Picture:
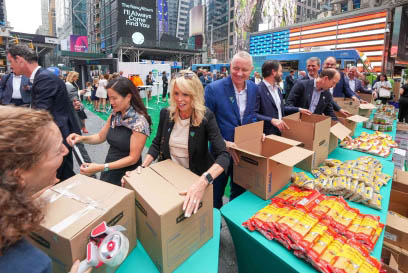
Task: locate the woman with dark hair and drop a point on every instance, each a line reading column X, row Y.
column 126, row 131
column 31, row 151
column 383, row 88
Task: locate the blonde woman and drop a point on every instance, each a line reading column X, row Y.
column 74, row 95
column 184, row 130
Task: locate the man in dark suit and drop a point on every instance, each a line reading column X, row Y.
column 15, row 90
column 289, row 83
column 232, row 100
column 269, row 105
column 48, row 92
column 314, row 94
column 355, row 84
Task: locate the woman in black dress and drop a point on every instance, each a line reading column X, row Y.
column 126, row 131
column 403, row 104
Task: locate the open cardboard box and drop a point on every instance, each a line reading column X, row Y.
column 351, row 122
column 395, row 259
column 314, row 132
column 348, row 105
column 400, row 181
column 165, row 233
column 265, row 167
column 366, row 109
column 73, row 208
column 337, row 132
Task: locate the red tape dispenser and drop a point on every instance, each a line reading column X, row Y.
column 107, row 245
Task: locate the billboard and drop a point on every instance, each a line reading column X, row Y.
column 197, row 21
column 137, row 21
column 78, row 43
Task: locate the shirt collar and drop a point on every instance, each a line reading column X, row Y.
column 33, row 74
column 242, row 92
column 270, row 86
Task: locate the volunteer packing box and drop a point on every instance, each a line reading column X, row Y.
column 351, row 122
column 396, row 230
column 314, row 132
column 165, row 233
column 265, row 166
column 73, row 208
column 337, row 132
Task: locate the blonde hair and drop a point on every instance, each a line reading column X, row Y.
column 71, row 75
column 194, row 89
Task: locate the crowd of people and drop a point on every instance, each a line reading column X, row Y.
column 36, row 145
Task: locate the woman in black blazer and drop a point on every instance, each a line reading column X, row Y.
column 185, row 129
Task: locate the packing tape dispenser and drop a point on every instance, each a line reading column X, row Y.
column 107, row 245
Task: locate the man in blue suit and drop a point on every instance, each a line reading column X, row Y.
column 269, row 105
column 355, row 84
column 49, row 93
column 232, row 100
column 15, row 90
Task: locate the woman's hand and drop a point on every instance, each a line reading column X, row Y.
column 73, row 139
column 75, row 267
column 91, row 168
column 194, row 195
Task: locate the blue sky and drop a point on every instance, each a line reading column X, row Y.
column 24, row 15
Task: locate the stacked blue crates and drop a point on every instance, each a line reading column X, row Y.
column 260, row 44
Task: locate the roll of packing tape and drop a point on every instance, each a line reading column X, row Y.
column 114, row 249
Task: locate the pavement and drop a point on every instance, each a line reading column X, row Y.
column 227, row 262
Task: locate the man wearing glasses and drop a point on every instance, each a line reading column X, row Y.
column 232, row 100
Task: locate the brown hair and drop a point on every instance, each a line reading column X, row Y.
column 21, row 147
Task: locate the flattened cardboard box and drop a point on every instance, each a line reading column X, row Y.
column 167, row 236
column 337, row 132
column 314, row 132
column 265, row 167
column 73, row 208
column 396, row 230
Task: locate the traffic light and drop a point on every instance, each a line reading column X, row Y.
column 31, row 45
column 16, row 41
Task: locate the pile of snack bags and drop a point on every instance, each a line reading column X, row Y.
column 377, row 143
column 323, row 230
column 357, row 180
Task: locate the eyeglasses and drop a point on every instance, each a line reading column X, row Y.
column 186, row 75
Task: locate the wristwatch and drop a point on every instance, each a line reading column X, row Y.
column 208, row 177
column 106, row 167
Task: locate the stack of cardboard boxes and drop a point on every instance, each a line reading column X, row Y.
column 402, row 138
column 395, row 249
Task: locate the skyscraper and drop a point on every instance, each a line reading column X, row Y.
column 3, row 13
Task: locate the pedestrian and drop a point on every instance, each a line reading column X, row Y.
column 269, row 100
column 383, row 88
column 101, row 92
column 94, row 98
column 126, row 131
column 48, row 92
column 165, row 85
column 88, row 92
column 183, row 134
column 32, row 149
column 289, row 83
column 149, row 81
column 403, row 104
column 73, row 94
column 15, row 90
column 232, row 100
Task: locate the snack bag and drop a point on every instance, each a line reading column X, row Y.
column 370, row 265
column 351, row 256
column 376, row 201
column 351, row 231
column 321, row 245
column 287, row 222
column 313, row 235
column 368, row 228
column 333, row 250
column 299, row 231
column 345, row 220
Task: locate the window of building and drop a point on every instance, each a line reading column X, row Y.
column 356, row 4
column 232, row 14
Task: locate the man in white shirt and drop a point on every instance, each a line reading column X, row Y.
column 15, row 89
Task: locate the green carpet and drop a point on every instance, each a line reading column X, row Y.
column 153, row 111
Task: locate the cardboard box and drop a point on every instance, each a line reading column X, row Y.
column 394, row 258
column 73, row 208
column 265, row 167
column 314, row 132
column 400, row 181
column 366, row 109
column 396, row 230
column 165, row 233
column 351, row 122
column 348, row 105
column 337, row 132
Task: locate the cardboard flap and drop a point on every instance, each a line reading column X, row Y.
column 340, row 131
column 248, row 152
column 368, row 106
column 284, row 140
column 397, row 221
column 291, row 156
column 357, row 118
column 401, row 177
column 249, row 132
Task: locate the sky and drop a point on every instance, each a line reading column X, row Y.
column 24, row 15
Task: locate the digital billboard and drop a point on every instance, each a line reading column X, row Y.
column 137, row 21
column 78, row 43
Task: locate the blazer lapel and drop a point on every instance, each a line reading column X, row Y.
column 265, row 89
column 230, row 92
column 168, row 129
column 192, row 136
column 309, row 92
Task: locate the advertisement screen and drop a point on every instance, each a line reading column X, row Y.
column 197, row 20
column 137, row 21
column 78, row 43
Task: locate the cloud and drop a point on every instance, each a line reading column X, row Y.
column 24, row 15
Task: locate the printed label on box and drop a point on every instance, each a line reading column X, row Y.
column 390, row 236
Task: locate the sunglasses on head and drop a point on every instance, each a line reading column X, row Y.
column 186, row 75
